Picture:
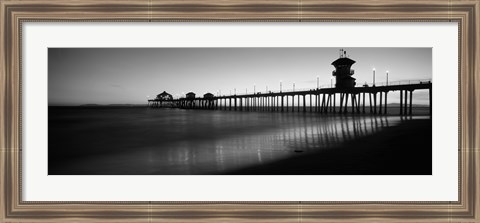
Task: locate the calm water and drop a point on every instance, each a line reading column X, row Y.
column 109, row 140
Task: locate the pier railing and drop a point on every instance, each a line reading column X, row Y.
column 324, row 86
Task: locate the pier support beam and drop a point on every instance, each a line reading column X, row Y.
column 401, row 102
column 272, row 104
column 310, row 96
column 358, row 98
column 370, row 102
column 334, row 102
column 380, row 104
column 385, row 109
column 304, row 103
column 363, row 103
column 353, row 103
column 410, row 112
column 322, row 107
column 346, row 103
column 286, row 103
column 293, row 103
column 341, row 102
column 298, row 104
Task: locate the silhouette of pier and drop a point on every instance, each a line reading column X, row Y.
column 345, row 97
column 324, row 100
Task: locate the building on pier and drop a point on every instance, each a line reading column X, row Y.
column 208, row 96
column 190, row 95
column 343, row 72
column 164, row 96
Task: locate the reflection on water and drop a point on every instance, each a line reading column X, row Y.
column 194, row 142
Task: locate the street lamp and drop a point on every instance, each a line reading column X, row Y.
column 374, row 76
column 387, row 77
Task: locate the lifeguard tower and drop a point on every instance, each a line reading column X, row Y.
column 342, row 72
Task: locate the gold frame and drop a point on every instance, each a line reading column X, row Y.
column 14, row 12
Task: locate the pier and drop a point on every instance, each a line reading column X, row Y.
column 344, row 97
column 323, row 100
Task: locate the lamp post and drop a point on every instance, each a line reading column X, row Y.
column 374, row 76
column 317, row 81
column 254, row 89
column 387, row 77
column 280, row 86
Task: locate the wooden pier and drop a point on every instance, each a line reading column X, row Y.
column 324, row 100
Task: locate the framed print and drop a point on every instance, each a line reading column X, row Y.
column 308, row 111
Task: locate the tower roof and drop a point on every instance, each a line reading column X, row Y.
column 343, row 61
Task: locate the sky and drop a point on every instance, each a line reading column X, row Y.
column 132, row 75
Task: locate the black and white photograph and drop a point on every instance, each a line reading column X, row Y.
column 240, row 111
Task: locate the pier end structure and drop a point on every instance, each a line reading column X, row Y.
column 343, row 72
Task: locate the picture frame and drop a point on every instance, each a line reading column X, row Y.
column 16, row 12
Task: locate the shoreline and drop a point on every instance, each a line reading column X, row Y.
column 398, row 150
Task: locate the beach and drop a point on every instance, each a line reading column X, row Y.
column 102, row 140
column 405, row 149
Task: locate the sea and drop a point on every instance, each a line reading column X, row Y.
column 127, row 140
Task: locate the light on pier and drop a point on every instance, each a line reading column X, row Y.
column 387, row 77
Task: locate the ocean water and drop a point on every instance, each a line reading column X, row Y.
column 140, row 140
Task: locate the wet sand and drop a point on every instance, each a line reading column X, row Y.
column 397, row 150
